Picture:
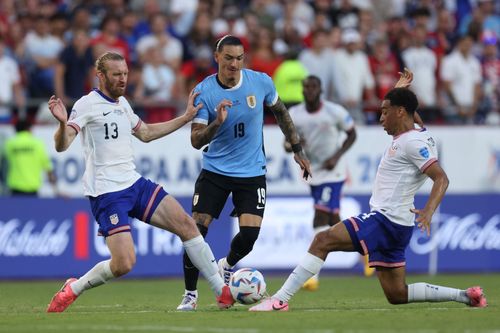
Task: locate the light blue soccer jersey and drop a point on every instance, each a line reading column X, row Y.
column 237, row 148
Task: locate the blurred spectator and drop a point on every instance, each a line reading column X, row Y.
column 485, row 15
column 80, row 20
column 200, row 35
column 490, row 103
column 461, row 76
column 73, row 70
column 318, row 62
column 128, row 23
column 157, row 87
column 441, row 41
column 26, row 158
column 40, row 52
column 11, row 90
column 183, row 15
column 384, row 67
column 148, row 8
column 423, row 63
column 109, row 39
column 346, row 15
column 354, row 79
column 231, row 23
column 288, row 81
column 291, row 28
column 195, row 70
column 262, row 55
column 171, row 47
column 59, row 25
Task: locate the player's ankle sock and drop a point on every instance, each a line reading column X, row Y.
column 191, row 292
column 202, row 257
column 309, row 266
column 226, row 265
column 191, row 273
column 425, row 292
column 98, row 275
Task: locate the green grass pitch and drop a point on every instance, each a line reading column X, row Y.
column 351, row 304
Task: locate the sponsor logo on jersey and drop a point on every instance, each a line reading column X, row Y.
column 251, row 101
column 424, row 152
column 114, row 219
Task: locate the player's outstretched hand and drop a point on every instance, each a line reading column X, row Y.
column 405, row 79
column 58, row 110
column 424, row 219
column 222, row 110
column 304, row 164
column 191, row 109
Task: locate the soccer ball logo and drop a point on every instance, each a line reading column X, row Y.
column 247, row 286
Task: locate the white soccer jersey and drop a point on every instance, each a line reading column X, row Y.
column 107, row 128
column 401, row 173
column 323, row 133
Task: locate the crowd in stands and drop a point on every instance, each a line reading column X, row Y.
column 356, row 47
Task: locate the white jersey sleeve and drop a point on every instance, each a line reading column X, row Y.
column 135, row 121
column 421, row 153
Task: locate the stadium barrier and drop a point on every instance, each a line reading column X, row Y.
column 44, row 238
column 49, row 238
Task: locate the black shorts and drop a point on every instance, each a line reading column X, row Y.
column 211, row 191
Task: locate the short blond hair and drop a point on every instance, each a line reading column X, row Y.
column 100, row 63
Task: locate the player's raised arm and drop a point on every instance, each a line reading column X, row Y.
column 150, row 132
column 288, row 128
column 63, row 136
column 405, row 80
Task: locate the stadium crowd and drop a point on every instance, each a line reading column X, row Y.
column 356, row 48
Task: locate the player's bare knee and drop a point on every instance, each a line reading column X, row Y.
column 321, row 242
column 123, row 266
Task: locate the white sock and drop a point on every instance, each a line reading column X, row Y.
column 309, row 266
column 225, row 265
column 98, row 275
column 202, row 258
column 191, row 292
column 425, row 292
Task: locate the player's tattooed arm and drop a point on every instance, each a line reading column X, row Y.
column 288, row 128
column 201, row 134
column 285, row 122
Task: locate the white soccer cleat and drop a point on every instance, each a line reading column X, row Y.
column 226, row 273
column 189, row 302
column 270, row 304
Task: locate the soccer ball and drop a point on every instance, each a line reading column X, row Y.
column 247, row 286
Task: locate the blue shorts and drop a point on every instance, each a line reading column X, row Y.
column 327, row 196
column 112, row 210
column 384, row 241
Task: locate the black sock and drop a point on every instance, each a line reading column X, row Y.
column 242, row 244
column 191, row 273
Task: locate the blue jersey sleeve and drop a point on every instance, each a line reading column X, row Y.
column 202, row 116
column 271, row 95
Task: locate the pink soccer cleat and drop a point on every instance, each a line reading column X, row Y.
column 63, row 298
column 270, row 304
column 476, row 296
column 225, row 300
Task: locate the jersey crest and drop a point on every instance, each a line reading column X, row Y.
column 251, row 101
column 114, row 219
